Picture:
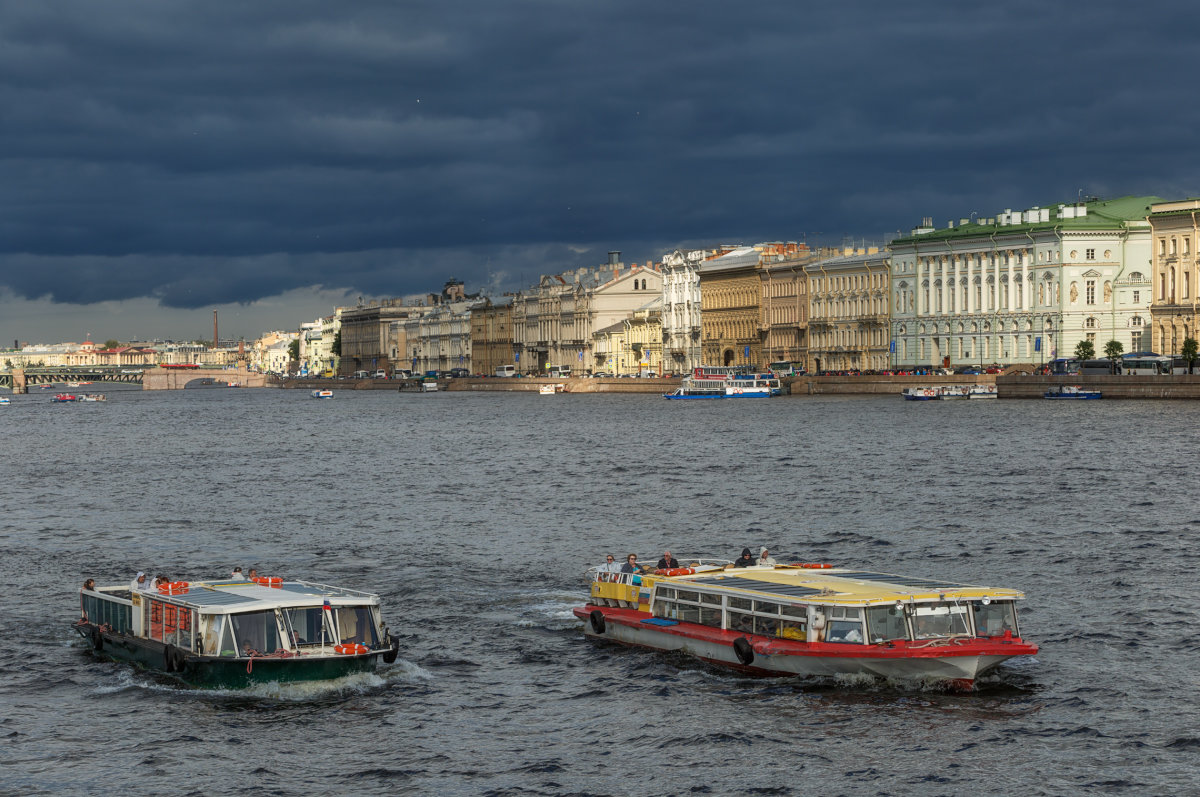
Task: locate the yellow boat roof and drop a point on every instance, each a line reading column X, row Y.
column 840, row 585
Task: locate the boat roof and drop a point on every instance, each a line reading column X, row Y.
column 230, row 597
column 841, row 585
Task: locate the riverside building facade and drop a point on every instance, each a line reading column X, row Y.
column 1023, row 287
column 681, row 319
column 848, row 326
column 785, row 304
column 1173, row 312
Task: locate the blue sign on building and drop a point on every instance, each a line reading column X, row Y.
column 747, row 351
column 1037, row 343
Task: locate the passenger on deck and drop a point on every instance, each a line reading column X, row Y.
column 610, row 565
column 667, row 562
column 253, row 573
column 237, row 575
column 160, row 580
column 631, row 565
column 90, row 584
column 764, row 558
column 139, row 583
column 745, row 560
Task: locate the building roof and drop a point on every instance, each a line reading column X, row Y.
column 741, row 257
column 1100, row 215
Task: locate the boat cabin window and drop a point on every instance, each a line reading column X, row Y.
column 844, row 624
column 886, row 623
column 794, row 622
column 215, row 633
column 355, row 624
column 167, row 623
column 995, row 618
column 307, row 626
column 938, row 620
column 688, row 606
column 258, row 631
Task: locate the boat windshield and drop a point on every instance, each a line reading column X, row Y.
column 939, row 620
column 355, row 624
column 307, row 626
column 995, row 618
column 886, row 623
column 256, row 631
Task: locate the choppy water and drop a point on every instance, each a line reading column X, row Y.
column 475, row 516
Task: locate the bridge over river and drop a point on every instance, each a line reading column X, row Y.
column 151, row 377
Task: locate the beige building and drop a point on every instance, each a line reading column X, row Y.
column 632, row 346
column 848, row 326
column 491, row 336
column 785, row 309
column 732, row 286
column 373, row 336
column 553, row 324
column 1175, row 231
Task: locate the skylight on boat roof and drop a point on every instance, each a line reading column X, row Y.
column 900, row 581
column 794, row 590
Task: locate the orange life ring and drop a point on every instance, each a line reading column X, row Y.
column 675, row 571
column 815, row 566
column 173, row 588
column 268, row 581
column 350, row 649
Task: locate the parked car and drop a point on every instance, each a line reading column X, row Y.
column 968, row 369
column 459, row 373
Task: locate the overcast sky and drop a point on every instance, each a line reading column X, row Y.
column 274, row 158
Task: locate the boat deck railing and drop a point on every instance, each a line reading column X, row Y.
column 100, row 608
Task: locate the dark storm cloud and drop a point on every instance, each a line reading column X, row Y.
column 215, row 152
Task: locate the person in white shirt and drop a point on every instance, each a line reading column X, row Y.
column 610, row 565
column 764, row 558
column 237, row 575
column 140, row 583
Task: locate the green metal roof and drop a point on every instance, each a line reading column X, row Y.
column 1101, row 215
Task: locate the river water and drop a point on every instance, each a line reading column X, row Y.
column 475, row 515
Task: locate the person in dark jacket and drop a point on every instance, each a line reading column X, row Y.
column 745, row 560
column 667, row 562
column 631, row 565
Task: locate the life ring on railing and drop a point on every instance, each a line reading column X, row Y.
column 268, row 581
column 675, row 571
column 173, row 588
column 743, row 650
column 350, row 649
column 597, row 620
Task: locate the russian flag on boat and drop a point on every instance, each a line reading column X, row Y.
column 325, row 605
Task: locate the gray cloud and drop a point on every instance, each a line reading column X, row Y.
column 200, row 153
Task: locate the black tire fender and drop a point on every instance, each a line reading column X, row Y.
column 97, row 639
column 597, row 621
column 743, row 650
column 174, row 658
column 389, row 657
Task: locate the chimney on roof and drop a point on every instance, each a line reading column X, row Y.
column 614, row 258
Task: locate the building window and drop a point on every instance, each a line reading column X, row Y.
column 1137, row 296
column 1091, row 337
column 1091, row 290
column 1089, row 254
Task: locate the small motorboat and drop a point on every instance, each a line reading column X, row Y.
column 322, row 394
column 63, row 397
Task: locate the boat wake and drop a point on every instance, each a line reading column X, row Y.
column 400, row 673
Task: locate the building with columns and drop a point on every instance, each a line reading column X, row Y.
column 1173, row 312
column 848, row 321
column 1022, row 287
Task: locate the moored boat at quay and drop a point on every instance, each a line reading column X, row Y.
column 948, row 392
column 231, row 634
column 322, row 394
column 752, row 386
column 811, row 620
column 692, row 387
column 1071, row 392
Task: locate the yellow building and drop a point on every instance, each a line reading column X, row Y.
column 1175, row 230
column 491, row 336
column 632, row 346
column 730, row 299
column 785, row 304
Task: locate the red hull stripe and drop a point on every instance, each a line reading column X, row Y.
column 899, row 649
